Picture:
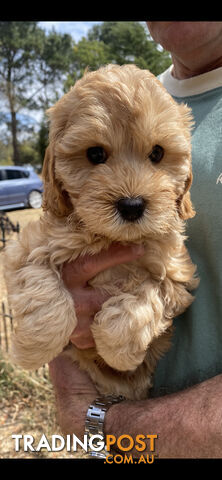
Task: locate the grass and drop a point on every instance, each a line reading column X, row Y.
column 26, row 406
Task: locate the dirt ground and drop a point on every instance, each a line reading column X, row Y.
column 26, row 400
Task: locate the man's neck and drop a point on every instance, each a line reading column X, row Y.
column 187, row 68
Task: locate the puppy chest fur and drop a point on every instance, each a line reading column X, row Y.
column 117, row 169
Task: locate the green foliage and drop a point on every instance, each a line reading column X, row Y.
column 5, row 154
column 120, row 43
column 42, row 140
column 126, row 40
column 29, row 153
column 129, row 42
column 87, row 54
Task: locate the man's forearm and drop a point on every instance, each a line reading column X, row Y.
column 188, row 423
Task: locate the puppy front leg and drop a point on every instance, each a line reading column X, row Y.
column 43, row 308
column 127, row 324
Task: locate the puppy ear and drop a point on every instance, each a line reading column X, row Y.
column 184, row 204
column 55, row 198
column 187, row 119
column 185, row 207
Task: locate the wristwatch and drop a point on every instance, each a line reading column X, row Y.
column 95, row 421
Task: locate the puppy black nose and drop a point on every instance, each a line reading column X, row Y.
column 131, row 209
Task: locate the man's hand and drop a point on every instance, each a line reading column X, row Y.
column 74, row 389
column 88, row 300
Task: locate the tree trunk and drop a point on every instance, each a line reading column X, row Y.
column 10, row 95
column 16, row 157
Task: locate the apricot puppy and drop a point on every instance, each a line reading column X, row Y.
column 117, row 168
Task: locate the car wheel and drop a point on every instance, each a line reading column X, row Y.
column 35, row 199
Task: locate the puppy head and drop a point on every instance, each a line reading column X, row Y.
column 119, row 156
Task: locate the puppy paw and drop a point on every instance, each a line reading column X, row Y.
column 43, row 327
column 122, row 332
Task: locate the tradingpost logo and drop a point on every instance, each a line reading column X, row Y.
column 118, row 449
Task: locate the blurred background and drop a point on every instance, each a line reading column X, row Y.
column 39, row 62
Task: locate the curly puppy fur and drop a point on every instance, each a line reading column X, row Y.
column 126, row 112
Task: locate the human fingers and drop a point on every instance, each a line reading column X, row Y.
column 81, row 270
column 88, row 302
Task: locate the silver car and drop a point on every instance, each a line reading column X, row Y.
column 19, row 187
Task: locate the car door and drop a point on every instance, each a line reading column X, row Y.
column 12, row 189
column 3, row 188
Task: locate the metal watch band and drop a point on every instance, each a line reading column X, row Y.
column 95, row 419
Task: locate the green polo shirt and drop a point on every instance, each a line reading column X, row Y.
column 196, row 352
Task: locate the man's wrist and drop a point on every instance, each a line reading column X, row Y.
column 94, row 424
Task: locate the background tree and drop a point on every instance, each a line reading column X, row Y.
column 129, row 42
column 120, row 43
column 52, row 64
column 87, row 54
column 30, row 63
column 29, row 153
column 42, row 140
column 18, row 41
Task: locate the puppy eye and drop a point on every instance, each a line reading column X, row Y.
column 96, row 155
column 157, row 154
